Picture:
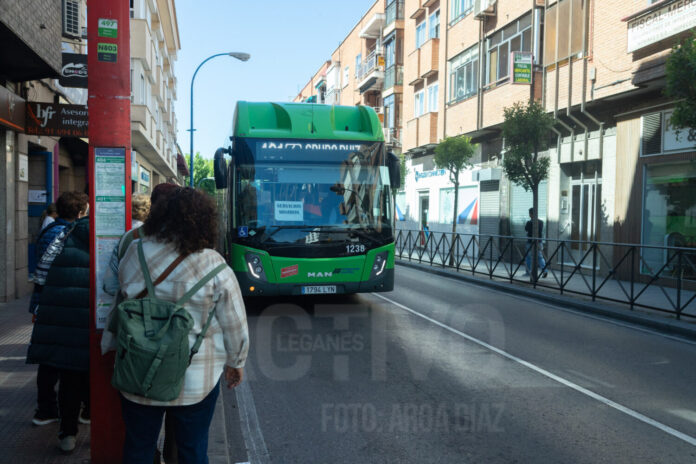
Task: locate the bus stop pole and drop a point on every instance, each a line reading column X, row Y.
column 108, row 169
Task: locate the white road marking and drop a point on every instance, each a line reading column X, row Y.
column 577, row 312
column 630, row 412
column 257, row 452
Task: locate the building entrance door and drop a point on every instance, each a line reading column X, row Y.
column 424, row 206
column 586, row 215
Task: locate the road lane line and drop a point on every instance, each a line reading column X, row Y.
column 577, row 312
column 630, row 412
column 257, row 451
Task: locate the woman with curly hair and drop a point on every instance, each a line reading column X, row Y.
column 186, row 226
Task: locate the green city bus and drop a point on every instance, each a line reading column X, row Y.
column 309, row 206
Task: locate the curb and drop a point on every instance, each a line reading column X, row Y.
column 673, row 327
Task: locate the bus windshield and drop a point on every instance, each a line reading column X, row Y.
column 289, row 189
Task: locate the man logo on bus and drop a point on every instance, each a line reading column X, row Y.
column 319, row 274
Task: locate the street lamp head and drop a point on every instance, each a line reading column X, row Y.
column 240, row 56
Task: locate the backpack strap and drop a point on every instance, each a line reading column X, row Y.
column 162, row 276
column 146, row 273
column 187, row 296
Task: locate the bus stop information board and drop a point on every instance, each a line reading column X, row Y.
column 110, row 214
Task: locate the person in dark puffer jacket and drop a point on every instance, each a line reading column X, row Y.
column 70, row 206
column 61, row 333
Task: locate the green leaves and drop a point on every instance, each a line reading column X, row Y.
column 681, row 83
column 202, row 168
column 453, row 154
column 526, row 133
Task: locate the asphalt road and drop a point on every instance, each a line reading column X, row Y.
column 441, row 371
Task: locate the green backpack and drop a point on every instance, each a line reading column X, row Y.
column 152, row 342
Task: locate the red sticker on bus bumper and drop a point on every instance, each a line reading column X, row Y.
column 288, row 271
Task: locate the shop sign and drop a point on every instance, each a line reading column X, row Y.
column 677, row 139
column 74, row 71
column 56, row 120
column 425, row 174
column 12, row 108
column 656, row 25
column 23, row 168
column 521, row 68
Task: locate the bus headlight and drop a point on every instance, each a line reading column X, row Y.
column 379, row 264
column 255, row 266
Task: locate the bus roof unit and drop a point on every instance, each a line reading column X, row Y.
column 306, row 121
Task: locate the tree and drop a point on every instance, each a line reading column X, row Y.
column 526, row 132
column 202, row 168
column 681, row 83
column 453, row 154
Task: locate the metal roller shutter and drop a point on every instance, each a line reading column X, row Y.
column 489, row 215
column 520, row 202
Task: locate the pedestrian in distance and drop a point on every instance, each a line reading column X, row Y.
column 68, row 208
column 178, row 242
column 60, row 338
column 529, row 228
column 49, row 215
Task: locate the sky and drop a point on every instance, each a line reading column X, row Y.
column 288, row 41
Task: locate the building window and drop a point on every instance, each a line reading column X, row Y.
column 515, row 37
column 358, row 61
column 434, row 25
column 463, row 74
column 460, row 8
column 420, row 34
column 559, row 19
column 389, row 111
column 669, row 215
column 419, row 103
column 132, row 8
column 659, row 136
column 346, row 75
column 433, row 91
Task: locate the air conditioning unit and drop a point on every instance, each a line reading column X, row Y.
column 484, row 8
column 71, row 18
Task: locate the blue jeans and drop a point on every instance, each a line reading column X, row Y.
column 541, row 262
column 191, row 424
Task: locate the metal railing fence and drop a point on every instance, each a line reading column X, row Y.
column 653, row 277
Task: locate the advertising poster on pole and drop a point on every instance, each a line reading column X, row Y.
column 110, row 214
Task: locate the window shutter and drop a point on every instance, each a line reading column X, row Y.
column 71, row 18
column 651, row 140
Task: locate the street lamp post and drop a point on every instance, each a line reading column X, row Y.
column 240, row 56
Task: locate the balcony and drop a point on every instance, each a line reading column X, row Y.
column 429, row 58
column 413, row 76
column 370, row 73
column 373, row 28
column 146, row 139
column 140, row 42
column 420, row 9
column 394, row 17
column 421, row 131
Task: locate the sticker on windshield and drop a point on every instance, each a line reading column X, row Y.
column 243, row 231
column 288, row 211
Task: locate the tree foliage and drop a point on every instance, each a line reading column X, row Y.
column 526, row 132
column 681, row 83
column 454, row 154
column 202, row 168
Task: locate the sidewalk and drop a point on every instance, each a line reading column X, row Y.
column 23, row 443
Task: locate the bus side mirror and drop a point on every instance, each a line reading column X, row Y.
column 220, row 168
column 394, row 170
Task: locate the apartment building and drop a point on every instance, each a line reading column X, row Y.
column 367, row 69
column 619, row 171
column 154, row 46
